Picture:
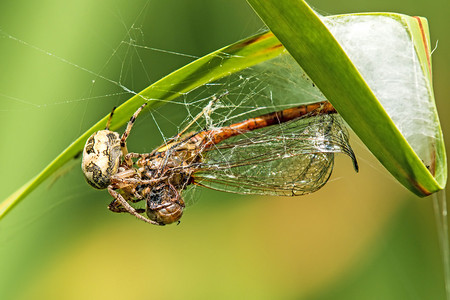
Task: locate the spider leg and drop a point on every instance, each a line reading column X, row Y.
column 137, row 155
column 110, row 117
column 116, row 207
column 123, row 139
column 133, row 181
column 128, row 207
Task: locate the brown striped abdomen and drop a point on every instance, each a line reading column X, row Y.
column 278, row 117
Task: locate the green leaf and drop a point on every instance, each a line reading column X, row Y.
column 312, row 45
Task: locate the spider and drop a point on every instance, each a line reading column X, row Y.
column 107, row 164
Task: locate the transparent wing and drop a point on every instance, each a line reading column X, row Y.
column 293, row 158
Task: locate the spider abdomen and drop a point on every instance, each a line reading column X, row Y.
column 101, row 158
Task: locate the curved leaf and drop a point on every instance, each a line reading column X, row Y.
column 312, row 45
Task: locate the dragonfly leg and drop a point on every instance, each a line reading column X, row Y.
column 205, row 111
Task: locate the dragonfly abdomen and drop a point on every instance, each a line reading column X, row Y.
column 215, row 136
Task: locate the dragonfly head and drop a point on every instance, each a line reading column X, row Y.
column 164, row 205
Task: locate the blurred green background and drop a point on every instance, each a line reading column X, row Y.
column 362, row 236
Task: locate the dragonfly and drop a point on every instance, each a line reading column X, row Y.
column 289, row 152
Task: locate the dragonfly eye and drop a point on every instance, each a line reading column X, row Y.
column 164, row 206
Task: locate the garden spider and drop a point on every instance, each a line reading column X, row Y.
column 107, row 164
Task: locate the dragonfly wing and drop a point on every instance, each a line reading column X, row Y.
column 293, row 158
